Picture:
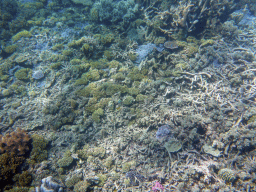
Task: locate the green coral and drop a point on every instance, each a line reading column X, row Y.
column 10, row 49
column 207, row 42
column 93, row 75
column 105, row 39
column 81, row 186
column 56, row 65
column 39, row 149
column 57, row 47
column 108, row 54
column 87, row 152
column 136, row 75
column 97, row 114
column 133, row 91
column 23, row 74
column 71, row 182
column 141, row 98
column 114, row 64
column 128, row 100
column 21, row 34
column 102, row 179
column 119, row 77
column 109, row 162
column 66, row 160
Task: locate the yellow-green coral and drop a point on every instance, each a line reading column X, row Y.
column 97, row 114
column 81, row 186
column 39, row 149
column 21, row 34
column 102, row 179
column 93, row 75
column 10, row 49
column 23, row 74
column 66, row 160
column 128, row 100
column 207, row 42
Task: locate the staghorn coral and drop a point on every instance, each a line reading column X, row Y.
column 16, row 142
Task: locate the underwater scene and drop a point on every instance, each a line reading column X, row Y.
column 127, row 95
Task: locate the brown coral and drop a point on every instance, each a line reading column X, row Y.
column 17, row 142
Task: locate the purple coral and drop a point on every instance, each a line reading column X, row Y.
column 163, row 133
column 157, row 187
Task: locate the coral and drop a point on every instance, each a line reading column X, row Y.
column 171, row 45
column 134, row 177
column 119, row 77
column 10, row 49
column 102, row 179
column 71, row 182
column 105, row 39
column 24, row 179
column 93, row 75
column 157, row 187
column 128, row 100
column 211, row 150
column 141, row 98
column 81, row 186
column 57, row 47
column 135, row 74
column 39, row 149
column 114, row 64
column 109, row 162
column 108, row 54
column 87, row 152
column 21, row 34
column 15, row 142
column 86, row 48
column 133, row 91
column 207, row 42
column 126, row 167
column 66, row 160
column 7, row 92
column 173, row 145
column 83, row 2
column 56, row 65
column 227, row 175
column 67, row 52
column 110, row 11
column 97, row 114
column 23, row 74
column 99, row 64
column 18, row 88
column 164, row 133
column 9, row 166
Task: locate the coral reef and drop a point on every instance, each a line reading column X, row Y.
column 127, row 95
